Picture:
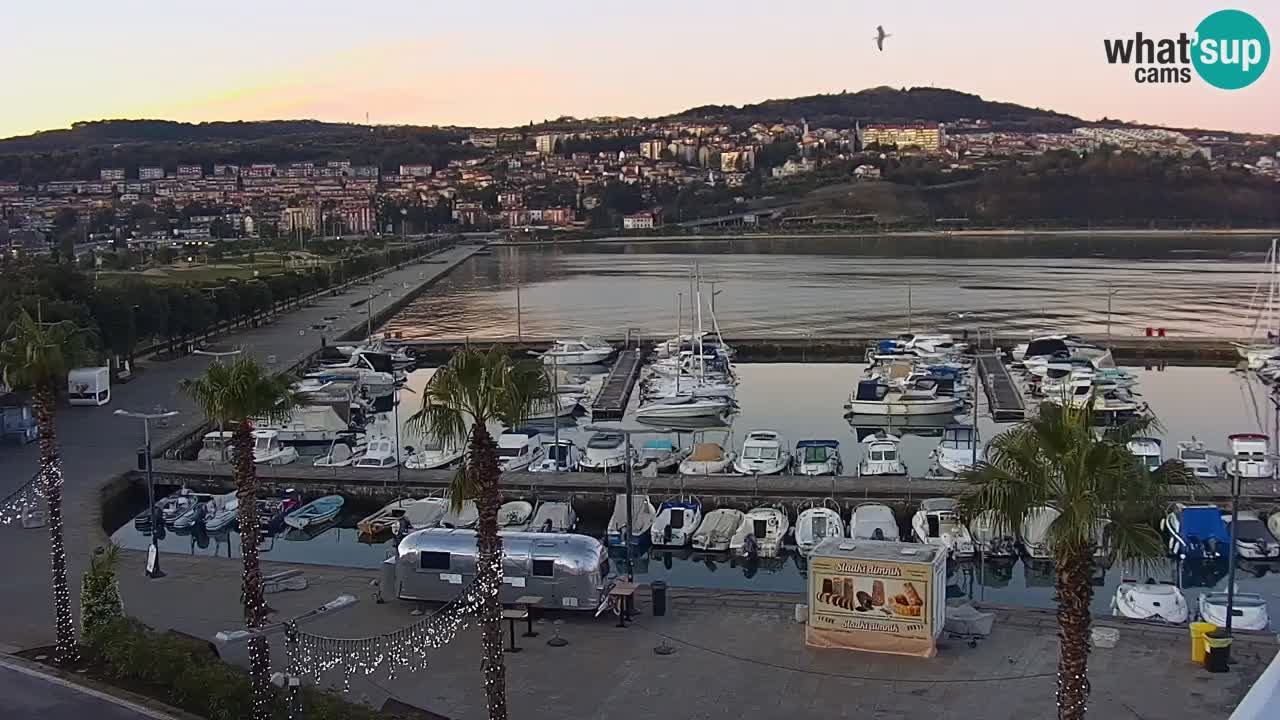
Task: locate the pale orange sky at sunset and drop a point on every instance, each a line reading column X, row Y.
column 507, row 63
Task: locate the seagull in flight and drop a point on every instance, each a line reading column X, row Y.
column 880, row 36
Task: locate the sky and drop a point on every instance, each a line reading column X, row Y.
column 502, row 63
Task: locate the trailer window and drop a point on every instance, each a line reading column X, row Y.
column 433, row 560
column 544, row 568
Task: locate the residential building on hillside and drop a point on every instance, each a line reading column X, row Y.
column 926, row 136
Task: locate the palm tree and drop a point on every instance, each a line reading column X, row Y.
column 481, row 388
column 1056, row 460
column 36, row 357
column 235, row 395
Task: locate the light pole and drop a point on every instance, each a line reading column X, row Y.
column 555, row 408
column 153, row 562
column 1111, row 293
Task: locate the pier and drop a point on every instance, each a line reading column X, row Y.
column 1003, row 395
column 611, row 402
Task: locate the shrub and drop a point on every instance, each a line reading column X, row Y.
column 99, row 592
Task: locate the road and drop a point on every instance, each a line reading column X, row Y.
column 27, row 694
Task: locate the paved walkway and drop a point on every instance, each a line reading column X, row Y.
column 28, row 693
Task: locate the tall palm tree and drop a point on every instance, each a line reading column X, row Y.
column 481, row 388
column 1057, row 460
column 236, row 395
column 36, row 357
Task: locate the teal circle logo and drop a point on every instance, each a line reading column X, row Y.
column 1232, row 49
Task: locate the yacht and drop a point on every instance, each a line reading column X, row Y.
column 605, row 451
column 684, row 406
column 873, row 397
column 768, row 525
column 1191, row 453
column 1251, row 461
column 815, row 524
column 818, row 457
column 380, row 452
column 762, row 454
column 518, row 449
column 707, row 459
column 561, row 456
column 676, row 522
column 873, row 521
column 268, row 450
column 717, row 529
column 642, row 514
column 881, row 456
column 936, row 523
column 1148, row 451
column 432, row 456
column 583, row 351
column 956, row 452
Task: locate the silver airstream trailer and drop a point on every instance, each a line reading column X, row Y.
column 568, row 571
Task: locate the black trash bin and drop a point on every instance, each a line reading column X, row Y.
column 142, row 459
column 659, row 589
column 1217, row 651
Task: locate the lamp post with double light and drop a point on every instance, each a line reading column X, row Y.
column 157, row 518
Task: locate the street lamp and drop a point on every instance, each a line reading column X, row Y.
column 157, row 519
column 555, row 407
column 1111, row 293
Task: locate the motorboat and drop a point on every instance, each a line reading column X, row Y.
column 684, row 406
column 466, row 516
column 316, row 425
column 707, row 459
column 641, row 516
column 818, row 457
column 676, row 522
column 515, row 515
column 342, row 453
column 215, row 514
column 558, row 456
column 425, row 512
column 1248, row 610
column 171, row 508
column 881, row 456
column 385, row 519
column 432, row 456
column 1191, row 453
column 518, row 449
column 1253, row 538
column 370, row 382
column 956, row 452
column 272, row 511
column 991, row 540
column 1196, row 531
column 316, row 512
column 1251, row 461
column 216, row 446
column 762, row 454
column 558, row 407
column 873, row 397
column 873, row 521
column 583, row 351
column 554, row 516
column 1148, row 451
column 381, row 452
column 717, row 529
column 1273, row 524
column 606, row 451
column 1035, row 532
column 662, row 455
column 705, row 386
column 1151, row 601
column 815, row 524
column 268, row 450
column 937, row 523
column 767, row 525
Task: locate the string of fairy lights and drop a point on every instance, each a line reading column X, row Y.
column 18, row 503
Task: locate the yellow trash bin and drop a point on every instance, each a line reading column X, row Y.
column 1198, row 631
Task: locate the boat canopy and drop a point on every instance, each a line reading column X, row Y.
column 871, row 390
column 1045, row 346
column 605, row 441
column 938, row 504
column 1202, row 522
column 706, row 452
column 818, row 443
column 659, row 445
column 958, row 436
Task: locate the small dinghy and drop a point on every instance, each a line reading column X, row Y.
column 386, row 519
column 316, row 512
column 171, row 508
column 768, row 525
column 1248, row 610
column 873, row 521
column 224, row 510
column 1153, row 601
column 676, row 523
column 716, row 530
column 467, row 517
column 1254, row 540
column 425, row 513
column 642, row 514
column 554, row 517
column 514, row 515
column 706, row 459
column 816, row 524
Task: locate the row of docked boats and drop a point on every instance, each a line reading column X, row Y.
column 1066, row 370
column 187, row 511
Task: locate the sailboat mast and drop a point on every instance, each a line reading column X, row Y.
column 679, row 317
column 909, row 306
column 701, row 369
column 1272, row 330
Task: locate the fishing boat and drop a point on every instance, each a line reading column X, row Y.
column 815, row 524
column 1254, row 540
column 1148, row 451
column 1035, row 532
column 432, row 456
column 1191, row 453
column 874, row 397
column 684, row 406
column 717, row 529
column 518, row 449
column 605, row 451
column 268, row 450
column 881, row 456
column 1248, row 610
column 216, row 446
column 818, row 457
column 662, row 455
column 955, row 454
column 1151, row 601
column 379, row 453
column 936, row 523
column 1196, row 531
column 642, row 514
column 873, row 521
column 676, row 522
column 1264, row 335
column 1251, row 461
column 316, row 512
column 515, row 515
column 466, row 516
column 385, row 519
column 558, row 456
column 707, row 459
column 582, row 351
column 768, row 525
column 762, row 454
column 991, row 540
column 554, row 516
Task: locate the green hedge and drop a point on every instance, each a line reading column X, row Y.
column 183, row 673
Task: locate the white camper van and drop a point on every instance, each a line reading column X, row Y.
column 89, row 386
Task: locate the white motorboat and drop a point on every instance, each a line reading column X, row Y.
column 268, row 450
column 816, row 524
column 561, row 406
column 1035, row 532
column 1254, row 540
column 676, row 523
column 1248, row 610
column 380, row 452
column 873, row 397
column 684, row 406
column 662, row 455
column 515, row 515
column 818, row 457
column 956, row 452
column 642, row 514
column 717, row 529
column 873, row 521
column 554, row 517
column 767, row 525
column 1251, row 462
column 762, row 454
column 216, row 446
column 563, row 456
column 342, row 453
column 989, row 540
column 1151, row 601
column 936, row 523
column 312, row 425
column 466, row 517
column 518, row 449
column 1191, row 453
column 1148, row 451
column 707, row 459
column 425, row 512
column 605, row 451
column 881, row 456
column 432, row 456
column 370, row 382
column 583, row 351
column 699, row 386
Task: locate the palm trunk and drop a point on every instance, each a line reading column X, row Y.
column 484, row 463
column 255, row 606
column 66, row 651
column 1074, row 592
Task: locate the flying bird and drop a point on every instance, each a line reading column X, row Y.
column 880, row 36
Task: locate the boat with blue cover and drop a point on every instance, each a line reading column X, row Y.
column 1196, row 531
column 317, row 511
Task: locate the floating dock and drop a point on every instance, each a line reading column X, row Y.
column 611, row 402
column 1003, row 395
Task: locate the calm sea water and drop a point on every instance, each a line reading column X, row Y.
column 804, row 401
column 788, row 289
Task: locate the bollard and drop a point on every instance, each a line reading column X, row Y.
column 659, row 590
